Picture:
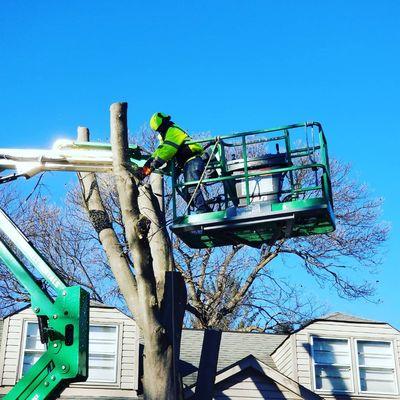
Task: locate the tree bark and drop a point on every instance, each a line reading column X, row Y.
column 160, row 304
column 108, row 238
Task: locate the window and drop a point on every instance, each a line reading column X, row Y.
column 376, row 367
column 103, row 341
column 332, row 365
column 102, row 353
column 33, row 347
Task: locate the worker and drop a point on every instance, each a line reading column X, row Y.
column 188, row 157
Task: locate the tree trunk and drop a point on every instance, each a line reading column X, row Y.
column 161, row 301
column 108, row 238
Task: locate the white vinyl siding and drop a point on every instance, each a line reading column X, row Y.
column 103, row 341
column 251, row 385
column 376, row 367
column 332, row 365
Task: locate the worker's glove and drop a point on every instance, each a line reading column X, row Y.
column 154, row 163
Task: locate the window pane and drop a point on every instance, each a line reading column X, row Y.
column 332, row 361
column 102, row 339
column 331, row 351
column 328, row 357
column 376, row 363
column 102, row 353
column 333, row 378
column 375, row 354
column 373, row 380
column 33, row 337
column 33, row 347
column 102, row 368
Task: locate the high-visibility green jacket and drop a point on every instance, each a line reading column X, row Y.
column 174, row 144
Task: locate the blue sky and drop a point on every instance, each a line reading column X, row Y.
column 217, row 66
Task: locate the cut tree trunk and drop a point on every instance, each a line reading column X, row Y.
column 161, row 292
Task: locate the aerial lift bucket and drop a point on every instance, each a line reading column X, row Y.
column 255, row 206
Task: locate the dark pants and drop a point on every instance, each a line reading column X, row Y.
column 192, row 171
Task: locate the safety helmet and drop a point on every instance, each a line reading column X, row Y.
column 157, row 119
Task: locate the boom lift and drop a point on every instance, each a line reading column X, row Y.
column 63, row 320
column 262, row 186
column 266, row 185
column 63, row 315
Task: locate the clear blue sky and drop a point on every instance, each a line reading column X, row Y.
column 217, row 66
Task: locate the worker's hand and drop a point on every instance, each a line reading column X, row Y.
column 147, row 170
column 141, row 173
column 154, row 163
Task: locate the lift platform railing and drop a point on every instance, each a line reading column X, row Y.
column 310, row 157
column 63, row 319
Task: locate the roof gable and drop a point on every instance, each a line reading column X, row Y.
column 234, row 347
column 252, row 363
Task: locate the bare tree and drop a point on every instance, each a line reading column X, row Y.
column 143, row 266
column 228, row 288
column 67, row 245
column 237, row 287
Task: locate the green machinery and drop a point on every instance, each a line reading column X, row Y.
column 63, row 319
column 63, row 314
column 262, row 186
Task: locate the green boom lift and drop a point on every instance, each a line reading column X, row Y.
column 63, row 314
column 63, row 320
column 261, row 186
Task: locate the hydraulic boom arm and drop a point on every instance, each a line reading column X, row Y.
column 66, row 155
column 63, row 320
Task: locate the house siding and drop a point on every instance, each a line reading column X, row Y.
column 352, row 331
column 252, row 385
column 126, row 384
column 283, row 358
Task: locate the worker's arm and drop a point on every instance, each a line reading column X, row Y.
column 167, row 149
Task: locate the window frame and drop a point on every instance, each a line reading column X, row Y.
column 88, row 382
column 348, row 340
column 116, row 362
column 396, row 392
column 26, row 322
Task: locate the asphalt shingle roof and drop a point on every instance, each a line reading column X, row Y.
column 341, row 317
column 234, row 347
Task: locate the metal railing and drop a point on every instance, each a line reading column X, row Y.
column 310, row 158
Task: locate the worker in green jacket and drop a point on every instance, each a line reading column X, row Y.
column 173, row 145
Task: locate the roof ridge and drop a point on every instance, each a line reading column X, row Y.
column 241, row 332
column 346, row 315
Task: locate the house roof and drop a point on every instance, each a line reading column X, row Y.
column 99, row 304
column 341, row 317
column 234, row 347
column 93, row 303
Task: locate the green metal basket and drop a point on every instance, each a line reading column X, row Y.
column 279, row 187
